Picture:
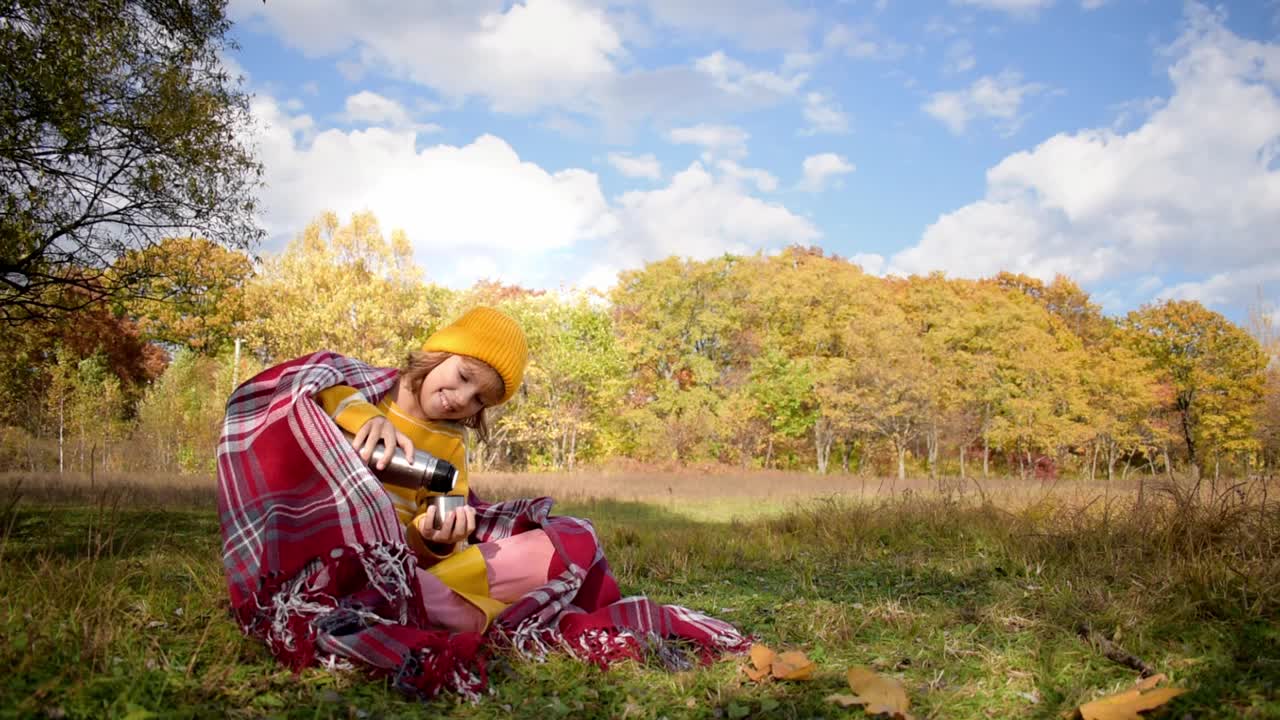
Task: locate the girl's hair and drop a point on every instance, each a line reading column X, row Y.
column 419, row 364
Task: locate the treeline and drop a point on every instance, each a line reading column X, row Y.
column 795, row 361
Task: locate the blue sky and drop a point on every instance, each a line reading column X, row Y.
column 1133, row 145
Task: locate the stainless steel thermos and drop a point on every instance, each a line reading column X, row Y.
column 424, row 470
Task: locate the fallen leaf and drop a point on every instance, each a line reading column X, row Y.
column 1147, row 683
column 765, row 663
column 1127, row 705
column 761, row 656
column 793, row 665
column 761, row 662
column 878, row 695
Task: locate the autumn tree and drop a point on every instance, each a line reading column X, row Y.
column 781, row 390
column 818, row 311
column 1263, row 324
column 196, row 297
column 119, row 126
column 573, row 382
column 898, row 398
column 678, row 323
column 29, row 351
column 1064, row 299
column 179, row 418
column 345, row 288
column 1216, row 372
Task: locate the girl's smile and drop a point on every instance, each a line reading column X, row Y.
column 458, row 388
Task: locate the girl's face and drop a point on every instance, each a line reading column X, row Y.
column 458, row 388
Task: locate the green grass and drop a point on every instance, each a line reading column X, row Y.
column 110, row 611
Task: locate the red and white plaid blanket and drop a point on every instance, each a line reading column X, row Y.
column 318, row 568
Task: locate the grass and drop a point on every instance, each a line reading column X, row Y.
column 116, row 606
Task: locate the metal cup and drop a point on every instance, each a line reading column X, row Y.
column 445, row 504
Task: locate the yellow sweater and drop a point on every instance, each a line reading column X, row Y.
column 462, row 569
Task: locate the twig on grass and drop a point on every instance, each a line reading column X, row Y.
column 1114, row 652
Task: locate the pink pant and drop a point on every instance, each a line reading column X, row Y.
column 514, row 566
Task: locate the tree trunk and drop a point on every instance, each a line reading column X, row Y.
column 61, row 424
column 902, row 462
column 986, row 457
column 931, row 442
column 573, row 447
column 1184, row 408
column 768, row 454
column 963, row 448
column 1093, row 461
column 822, row 440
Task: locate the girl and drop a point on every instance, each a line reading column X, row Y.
column 475, row 363
column 326, row 564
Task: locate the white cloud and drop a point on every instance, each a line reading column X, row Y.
column 478, row 210
column 863, row 41
column 371, row 109
column 699, row 215
column 1013, row 7
column 1092, row 4
column 997, row 97
column 824, row 115
column 478, row 48
column 714, row 139
column 959, row 58
column 1228, row 287
column 871, row 263
column 636, row 166
column 736, row 78
column 1195, row 189
column 762, row 179
column 498, row 52
column 818, row 169
column 479, row 199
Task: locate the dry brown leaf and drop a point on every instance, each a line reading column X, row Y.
column 762, row 657
column 765, row 663
column 1146, row 684
column 793, row 665
column 761, row 663
column 1127, row 705
column 878, row 695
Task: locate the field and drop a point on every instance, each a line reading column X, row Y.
column 987, row 601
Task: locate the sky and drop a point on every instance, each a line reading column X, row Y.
column 1132, row 145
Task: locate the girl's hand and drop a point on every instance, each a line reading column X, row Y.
column 380, row 429
column 456, row 526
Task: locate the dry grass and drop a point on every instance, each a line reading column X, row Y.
column 707, row 494
column 972, row 598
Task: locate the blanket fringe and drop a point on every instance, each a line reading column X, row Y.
column 429, row 670
column 603, row 647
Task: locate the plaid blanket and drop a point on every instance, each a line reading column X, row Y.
column 317, row 565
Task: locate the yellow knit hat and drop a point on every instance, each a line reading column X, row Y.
column 489, row 335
